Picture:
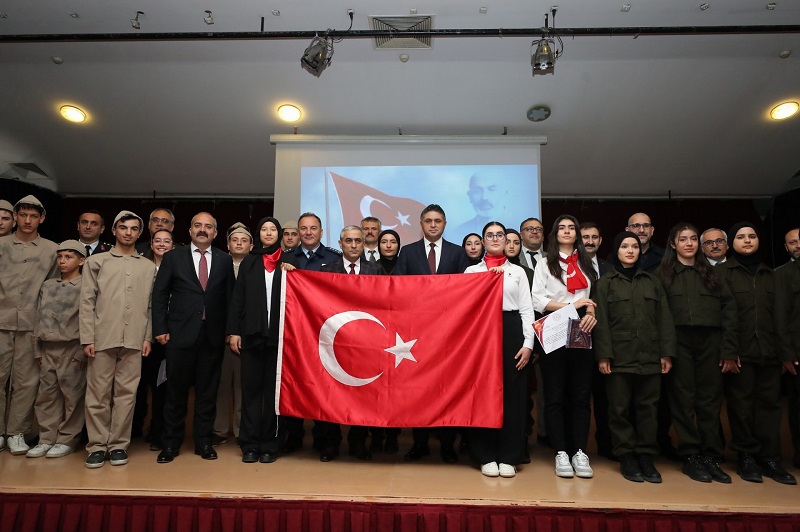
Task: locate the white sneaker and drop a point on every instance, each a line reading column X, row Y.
column 507, row 471
column 580, row 463
column 39, row 451
column 17, row 445
column 59, row 450
column 490, row 469
column 2, row 443
column 563, row 468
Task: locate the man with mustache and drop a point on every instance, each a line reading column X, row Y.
column 590, row 234
column 190, row 302
column 715, row 245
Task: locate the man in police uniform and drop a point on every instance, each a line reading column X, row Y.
column 90, row 226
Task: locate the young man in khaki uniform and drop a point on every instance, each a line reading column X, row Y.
column 6, row 218
column 62, row 380
column 115, row 334
column 26, row 260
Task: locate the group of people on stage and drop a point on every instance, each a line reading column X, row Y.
column 90, row 331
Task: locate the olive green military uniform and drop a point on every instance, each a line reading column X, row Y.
column 753, row 394
column 634, row 330
column 705, row 327
column 787, row 316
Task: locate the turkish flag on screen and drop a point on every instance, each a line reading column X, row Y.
column 359, row 201
column 392, row 351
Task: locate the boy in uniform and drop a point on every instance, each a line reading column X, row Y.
column 62, row 381
column 115, row 333
column 26, row 260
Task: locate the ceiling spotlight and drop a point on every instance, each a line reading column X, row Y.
column 208, row 19
column 72, row 113
column 546, row 50
column 289, row 113
column 539, row 113
column 73, row 14
column 784, row 110
column 135, row 24
column 704, row 6
column 318, row 55
column 625, row 8
column 771, row 6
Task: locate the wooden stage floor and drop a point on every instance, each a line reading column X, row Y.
column 301, row 476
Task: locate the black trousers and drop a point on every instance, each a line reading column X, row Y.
column 633, row 411
column 148, row 383
column 567, row 379
column 506, row 444
column 260, row 429
column 754, row 409
column 602, row 433
column 199, row 366
column 329, row 435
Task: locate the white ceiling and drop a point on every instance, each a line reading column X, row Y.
column 631, row 116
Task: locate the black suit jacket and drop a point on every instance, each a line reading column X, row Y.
column 604, row 266
column 249, row 312
column 365, row 267
column 413, row 259
column 178, row 298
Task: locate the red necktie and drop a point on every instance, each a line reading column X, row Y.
column 202, row 269
column 432, row 258
column 352, row 269
column 575, row 278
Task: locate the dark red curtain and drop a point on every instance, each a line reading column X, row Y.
column 92, row 513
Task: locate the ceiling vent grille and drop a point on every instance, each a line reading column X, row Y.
column 412, row 23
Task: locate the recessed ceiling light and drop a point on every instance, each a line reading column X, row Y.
column 73, row 14
column 404, row 58
column 276, row 12
column 72, row 113
column 784, row 110
column 3, row 15
column 784, row 54
column 57, row 59
column 539, row 113
column 483, row 10
column 771, row 6
column 625, row 8
column 704, row 6
column 289, row 113
column 412, row 11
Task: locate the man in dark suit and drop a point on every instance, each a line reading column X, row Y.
column 351, row 240
column 432, row 255
column 590, row 233
column 190, row 304
column 309, row 255
column 90, row 227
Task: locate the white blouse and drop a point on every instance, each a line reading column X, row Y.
column 515, row 295
column 547, row 288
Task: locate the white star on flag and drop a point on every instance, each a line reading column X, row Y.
column 401, row 350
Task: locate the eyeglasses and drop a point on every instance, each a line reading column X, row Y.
column 534, row 230
column 718, row 241
column 640, row 226
column 494, row 236
column 349, row 241
column 162, row 220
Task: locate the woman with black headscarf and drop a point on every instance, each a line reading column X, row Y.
column 512, row 251
column 388, row 249
column 753, row 383
column 634, row 341
column 253, row 325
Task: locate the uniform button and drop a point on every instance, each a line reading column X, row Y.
column 127, row 306
column 127, row 273
column 129, row 289
column 126, row 323
column 24, row 261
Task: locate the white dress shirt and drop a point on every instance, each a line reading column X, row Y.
column 347, row 264
column 196, row 259
column 515, row 295
column 437, row 249
column 547, row 288
column 367, row 254
column 526, row 258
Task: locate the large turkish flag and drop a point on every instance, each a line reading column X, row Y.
column 359, row 201
column 392, row 351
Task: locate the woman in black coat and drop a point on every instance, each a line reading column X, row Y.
column 253, row 325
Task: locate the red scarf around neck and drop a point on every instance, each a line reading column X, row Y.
column 492, row 261
column 575, row 278
column 270, row 261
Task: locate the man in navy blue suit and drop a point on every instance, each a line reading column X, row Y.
column 432, row 255
column 190, row 304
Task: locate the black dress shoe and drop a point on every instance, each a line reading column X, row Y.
column 216, row 439
column 267, row 457
column 167, row 455
column 649, row 471
column 250, row 456
column 449, row 455
column 418, row 450
column 390, row 447
column 774, row 470
column 748, row 468
column 361, row 452
column 526, row 457
column 206, row 452
column 694, row 467
column 328, row 454
column 629, row 467
column 716, row 472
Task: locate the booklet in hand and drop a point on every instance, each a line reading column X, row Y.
column 576, row 338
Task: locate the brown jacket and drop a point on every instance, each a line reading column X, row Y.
column 24, row 266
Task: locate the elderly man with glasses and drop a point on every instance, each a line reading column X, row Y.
column 715, row 245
